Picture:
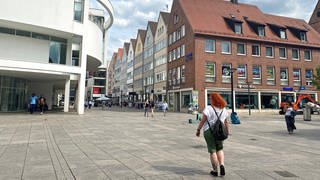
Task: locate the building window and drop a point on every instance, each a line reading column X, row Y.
column 183, row 69
column 183, row 30
column 210, row 46
column 283, row 53
column 178, row 52
column 170, row 77
column 238, row 28
column 307, row 55
column 226, row 74
column 295, row 54
column 256, row 74
column 175, row 19
column 75, row 58
column 170, row 39
column 303, row 36
column 241, row 49
column 225, row 47
column 261, row 31
column 242, row 74
column 178, row 75
column 58, row 53
column 174, row 37
column 296, row 77
column 309, row 77
column 283, row 34
column 270, row 75
column 183, row 50
column 269, row 52
column 210, row 72
column 78, row 10
column 170, row 56
column 284, row 80
column 160, row 77
column 255, row 50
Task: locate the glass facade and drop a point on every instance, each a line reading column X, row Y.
column 242, row 100
column 13, row 94
column 269, row 101
column 58, row 53
column 78, row 10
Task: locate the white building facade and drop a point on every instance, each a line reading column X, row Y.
column 49, row 50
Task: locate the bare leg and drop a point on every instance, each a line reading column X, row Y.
column 214, row 161
column 220, row 155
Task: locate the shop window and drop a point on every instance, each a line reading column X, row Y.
column 242, row 74
column 255, row 50
column 226, row 73
column 309, row 77
column 295, row 54
column 284, row 80
column 269, row 101
column 210, row 72
column 242, row 100
column 296, row 77
column 256, row 74
column 283, row 53
column 287, row 97
column 186, row 99
column 183, row 73
column 270, row 75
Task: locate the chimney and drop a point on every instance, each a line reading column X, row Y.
column 234, row 1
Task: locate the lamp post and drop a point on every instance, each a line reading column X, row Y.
column 248, row 84
column 234, row 118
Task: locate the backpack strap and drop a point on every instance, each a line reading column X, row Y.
column 218, row 117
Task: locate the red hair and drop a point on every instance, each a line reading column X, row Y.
column 217, row 100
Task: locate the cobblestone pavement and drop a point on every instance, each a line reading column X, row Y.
column 125, row 145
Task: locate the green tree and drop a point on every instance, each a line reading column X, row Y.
column 316, row 78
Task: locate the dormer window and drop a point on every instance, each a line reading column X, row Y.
column 261, row 31
column 176, row 19
column 303, row 36
column 283, row 34
column 238, row 28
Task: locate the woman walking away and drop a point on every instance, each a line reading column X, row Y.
column 146, row 108
column 211, row 114
column 289, row 116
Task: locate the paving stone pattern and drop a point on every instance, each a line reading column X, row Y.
column 122, row 144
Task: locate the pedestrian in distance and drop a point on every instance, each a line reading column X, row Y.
column 164, row 108
column 42, row 103
column 217, row 110
column 289, row 117
column 90, row 103
column 146, row 108
column 152, row 105
column 33, row 103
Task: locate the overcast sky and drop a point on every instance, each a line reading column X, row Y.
column 130, row 15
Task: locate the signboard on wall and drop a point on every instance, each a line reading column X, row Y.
column 195, row 97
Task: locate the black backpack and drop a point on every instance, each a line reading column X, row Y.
column 219, row 130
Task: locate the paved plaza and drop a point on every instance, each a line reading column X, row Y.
column 125, row 145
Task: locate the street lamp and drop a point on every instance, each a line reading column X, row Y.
column 234, row 118
column 248, row 84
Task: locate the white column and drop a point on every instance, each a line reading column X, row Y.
column 259, row 100
column 205, row 97
column 316, row 97
column 83, row 59
column 280, row 100
column 66, row 95
column 294, row 96
column 69, row 53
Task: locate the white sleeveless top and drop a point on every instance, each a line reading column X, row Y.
column 212, row 117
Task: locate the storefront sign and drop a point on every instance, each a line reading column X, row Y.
column 302, row 88
column 244, row 86
column 195, row 96
column 175, row 87
column 189, row 57
column 287, row 89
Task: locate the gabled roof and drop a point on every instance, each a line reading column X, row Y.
column 142, row 33
column 314, row 19
column 210, row 17
column 120, row 53
column 153, row 27
column 166, row 17
column 126, row 47
column 133, row 42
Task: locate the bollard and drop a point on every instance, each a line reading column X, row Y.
column 307, row 113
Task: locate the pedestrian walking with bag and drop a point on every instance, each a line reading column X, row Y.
column 215, row 130
column 289, row 117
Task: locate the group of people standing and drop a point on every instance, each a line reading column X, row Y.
column 150, row 106
column 37, row 102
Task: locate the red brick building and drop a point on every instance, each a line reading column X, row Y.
column 277, row 55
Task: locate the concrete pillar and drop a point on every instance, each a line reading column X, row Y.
column 259, row 101
column 316, row 97
column 69, row 53
column 66, row 95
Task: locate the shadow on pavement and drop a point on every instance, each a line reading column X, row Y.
column 182, row 170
